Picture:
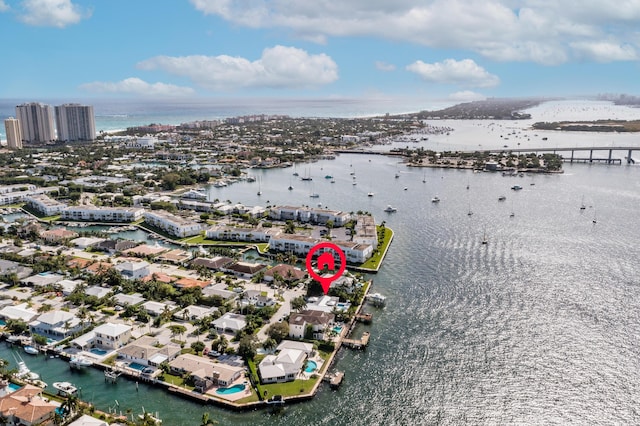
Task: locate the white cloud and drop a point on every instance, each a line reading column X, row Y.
column 3, row 6
column 466, row 96
column 462, row 73
column 136, row 86
column 51, row 13
column 279, row 67
column 605, row 52
column 383, row 66
column 542, row 31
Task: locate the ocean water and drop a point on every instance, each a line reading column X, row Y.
column 539, row 326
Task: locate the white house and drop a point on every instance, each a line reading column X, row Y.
column 172, row 224
column 318, row 320
column 102, row 214
column 229, row 323
column 145, row 351
column 111, row 335
column 133, row 270
column 206, row 373
column 18, row 312
column 56, row 324
column 283, row 367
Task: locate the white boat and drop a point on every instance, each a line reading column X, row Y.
column 314, row 195
column 502, row 198
column 376, row 299
column 435, row 199
column 390, row 209
column 111, row 375
column 78, row 361
column 25, row 373
column 30, row 350
column 65, row 388
column 370, row 194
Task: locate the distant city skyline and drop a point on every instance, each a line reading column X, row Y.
column 455, row 50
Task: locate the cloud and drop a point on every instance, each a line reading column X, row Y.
column 136, row 86
column 3, row 6
column 542, row 31
column 279, row 67
column 383, row 66
column 466, row 96
column 51, row 13
column 605, row 52
column 462, row 73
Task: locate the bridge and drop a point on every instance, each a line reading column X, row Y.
column 590, row 159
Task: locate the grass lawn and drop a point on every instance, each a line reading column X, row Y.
column 262, row 247
column 374, row 262
column 252, row 398
column 202, row 240
column 177, row 381
column 296, row 387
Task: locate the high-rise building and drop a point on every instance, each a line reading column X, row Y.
column 14, row 135
column 75, row 122
column 36, row 122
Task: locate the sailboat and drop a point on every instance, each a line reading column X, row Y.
column 259, row 190
column 469, row 213
column 307, row 176
column 424, row 177
column 484, row 238
column 594, row 217
column 290, row 187
column 582, row 206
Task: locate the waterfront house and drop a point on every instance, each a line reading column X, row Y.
column 145, row 351
column 86, row 242
column 205, row 373
column 194, row 312
column 327, row 304
column 215, row 263
column 318, row 320
column 58, row 235
column 26, row 406
column 244, row 269
column 111, row 335
column 172, row 224
column 229, row 323
column 283, row 367
column 112, row 246
column 87, row 420
column 56, row 324
column 307, row 348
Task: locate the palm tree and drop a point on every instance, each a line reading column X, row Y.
column 69, row 405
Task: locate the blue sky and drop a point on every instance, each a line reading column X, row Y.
column 437, row 49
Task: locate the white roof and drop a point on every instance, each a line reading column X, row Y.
column 112, row 329
column 18, row 312
column 56, row 317
column 86, row 420
column 290, row 344
column 85, row 339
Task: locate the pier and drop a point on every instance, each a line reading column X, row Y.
column 357, row 343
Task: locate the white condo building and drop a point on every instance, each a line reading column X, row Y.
column 172, row 224
column 102, row 214
column 75, row 122
column 45, row 204
column 14, row 134
column 36, row 122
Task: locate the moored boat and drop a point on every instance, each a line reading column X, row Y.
column 78, row 361
column 390, row 209
column 65, row 388
column 30, row 350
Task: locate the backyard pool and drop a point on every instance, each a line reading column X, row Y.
column 137, row 366
column 231, row 389
column 99, row 352
column 13, row 387
column 311, row 367
column 337, row 329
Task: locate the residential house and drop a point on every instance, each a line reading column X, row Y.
column 287, row 273
column 215, row 263
column 18, row 312
column 155, row 309
column 133, row 270
column 205, row 373
column 145, row 351
column 194, row 312
column 318, row 321
column 26, row 406
column 42, row 279
column 283, row 367
column 219, row 290
column 57, row 235
column 258, row 298
column 244, row 269
column 111, row 335
column 125, row 300
column 230, row 323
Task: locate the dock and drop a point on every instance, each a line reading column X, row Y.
column 335, row 379
column 365, row 317
column 357, row 343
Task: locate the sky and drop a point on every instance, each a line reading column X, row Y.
column 458, row 50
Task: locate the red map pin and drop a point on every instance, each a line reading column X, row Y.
column 326, row 259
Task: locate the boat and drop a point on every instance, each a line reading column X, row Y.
column 25, row 373
column 111, row 375
column 397, row 175
column 484, row 238
column 516, row 187
column 333, row 181
column 78, row 361
column 469, row 213
column 65, row 388
column 435, row 199
column 314, row 195
column 502, row 198
column 31, row 350
column 376, row 299
column 354, row 183
column 370, row 194
column 251, row 179
column 259, row 187
column 290, row 188
column 390, row 209
column 582, row 206
column 328, row 177
column 296, row 174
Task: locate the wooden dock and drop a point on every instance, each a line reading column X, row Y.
column 365, row 317
column 357, row 343
column 335, row 379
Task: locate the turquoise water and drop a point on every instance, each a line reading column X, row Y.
column 2, row 323
column 337, row 329
column 311, row 366
column 100, row 352
column 231, row 389
column 13, row 387
column 137, row 366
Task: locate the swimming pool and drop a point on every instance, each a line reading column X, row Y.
column 12, row 387
column 99, row 352
column 2, row 323
column 337, row 329
column 311, row 367
column 137, row 366
column 230, row 390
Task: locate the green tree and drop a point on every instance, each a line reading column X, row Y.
column 278, row 331
column 247, row 347
column 197, row 347
column 298, row 304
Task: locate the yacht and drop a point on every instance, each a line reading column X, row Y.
column 435, row 199
column 502, row 198
column 314, row 195
column 30, row 350
column 25, row 373
column 65, row 388
column 78, row 361
column 390, row 209
column 376, row 299
column 370, row 194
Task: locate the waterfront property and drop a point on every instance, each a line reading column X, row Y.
column 206, row 373
column 102, row 214
column 172, row 224
column 147, row 351
column 283, row 367
column 45, row 205
column 318, row 321
column 27, row 406
column 56, row 324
